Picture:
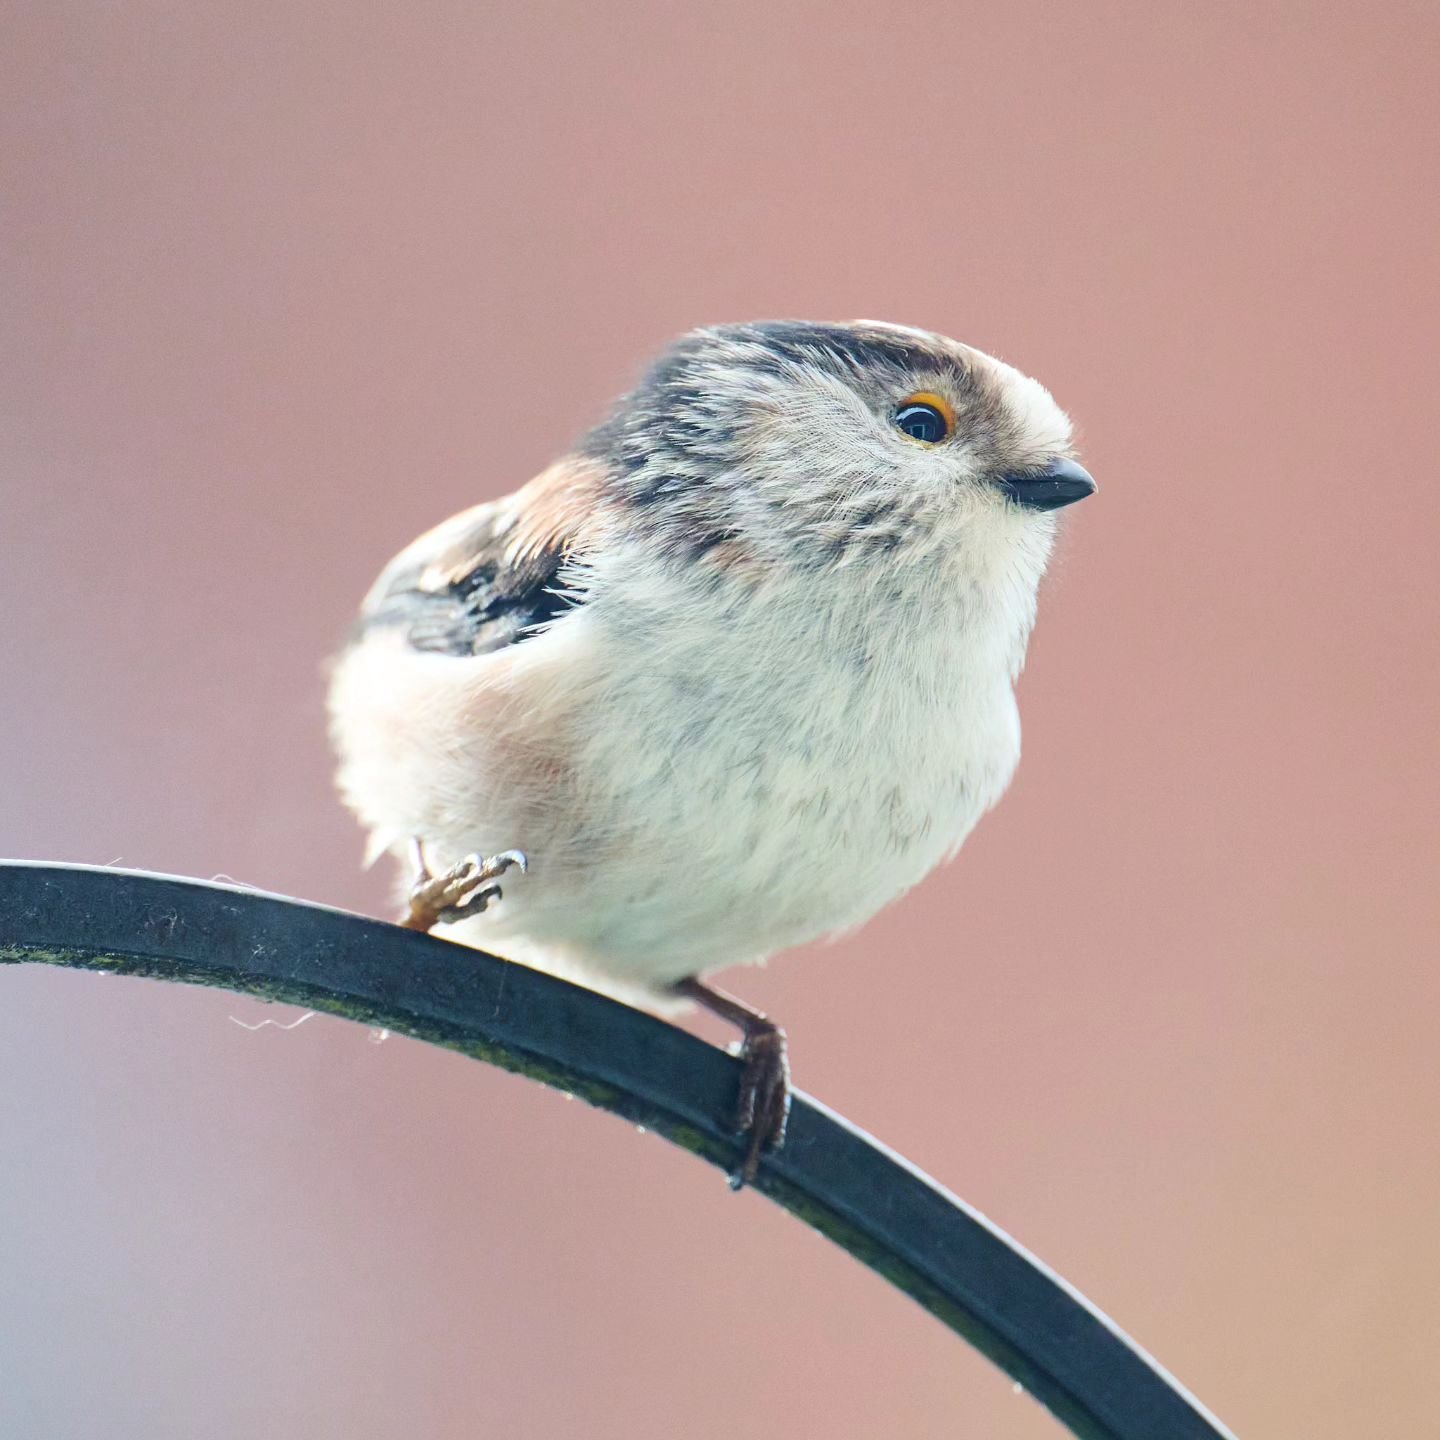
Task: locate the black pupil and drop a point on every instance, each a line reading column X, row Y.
column 922, row 422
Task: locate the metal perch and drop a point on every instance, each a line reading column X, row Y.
column 866, row 1199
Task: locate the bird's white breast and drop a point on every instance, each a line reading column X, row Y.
column 758, row 765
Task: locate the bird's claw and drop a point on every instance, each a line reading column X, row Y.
column 763, row 1110
column 462, row 891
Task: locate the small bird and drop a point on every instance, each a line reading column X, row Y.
column 732, row 675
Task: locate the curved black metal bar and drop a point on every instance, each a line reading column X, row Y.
column 881, row 1209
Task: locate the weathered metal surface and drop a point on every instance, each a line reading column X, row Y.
column 871, row 1202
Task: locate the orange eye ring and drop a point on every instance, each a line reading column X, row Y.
column 924, row 418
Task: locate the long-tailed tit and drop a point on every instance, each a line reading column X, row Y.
column 733, row 674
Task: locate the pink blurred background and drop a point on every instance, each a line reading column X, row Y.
column 285, row 284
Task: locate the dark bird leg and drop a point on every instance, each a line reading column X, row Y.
column 460, row 892
column 764, row 1105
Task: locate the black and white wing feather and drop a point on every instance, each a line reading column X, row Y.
column 489, row 576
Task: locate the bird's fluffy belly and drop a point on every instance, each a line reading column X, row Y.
column 688, row 798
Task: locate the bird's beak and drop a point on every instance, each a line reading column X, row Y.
column 1062, row 482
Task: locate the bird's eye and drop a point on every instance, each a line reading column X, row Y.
column 925, row 418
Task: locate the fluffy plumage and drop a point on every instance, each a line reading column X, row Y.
column 734, row 674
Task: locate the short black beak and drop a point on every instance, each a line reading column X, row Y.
column 1062, row 482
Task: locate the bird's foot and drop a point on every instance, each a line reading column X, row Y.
column 465, row 889
column 763, row 1109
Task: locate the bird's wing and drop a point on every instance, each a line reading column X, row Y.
column 487, row 577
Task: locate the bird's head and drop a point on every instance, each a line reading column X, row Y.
column 829, row 444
